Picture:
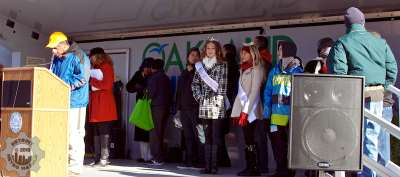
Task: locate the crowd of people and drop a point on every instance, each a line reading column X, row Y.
column 214, row 91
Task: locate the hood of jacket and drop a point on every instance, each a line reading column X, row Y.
column 289, row 65
column 75, row 49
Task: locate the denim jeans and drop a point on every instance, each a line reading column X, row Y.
column 371, row 134
column 384, row 138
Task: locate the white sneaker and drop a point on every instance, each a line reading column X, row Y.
column 73, row 174
column 156, row 163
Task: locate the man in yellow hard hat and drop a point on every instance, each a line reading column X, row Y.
column 72, row 65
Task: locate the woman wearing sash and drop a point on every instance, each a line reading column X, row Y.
column 209, row 90
column 248, row 107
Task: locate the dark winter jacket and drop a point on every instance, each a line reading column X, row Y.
column 184, row 94
column 159, row 88
column 137, row 84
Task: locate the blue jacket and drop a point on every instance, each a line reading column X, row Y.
column 74, row 70
column 277, row 94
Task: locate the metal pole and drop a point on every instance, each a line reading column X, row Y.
column 321, row 173
column 340, row 174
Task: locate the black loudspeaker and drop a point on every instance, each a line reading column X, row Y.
column 326, row 126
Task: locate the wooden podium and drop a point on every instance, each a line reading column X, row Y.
column 34, row 123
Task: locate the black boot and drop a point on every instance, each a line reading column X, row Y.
column 251, row 162
column 207, row 160
column 246, row 156
column 214, row 159
column 211, row 159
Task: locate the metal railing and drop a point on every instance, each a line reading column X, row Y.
column 396, row 92
column 391, row 169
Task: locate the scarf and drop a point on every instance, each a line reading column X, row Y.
column 209, row 62
column 246, row 65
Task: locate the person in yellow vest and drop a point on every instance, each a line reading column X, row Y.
column 72, row 65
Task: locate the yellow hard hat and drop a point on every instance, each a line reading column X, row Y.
column 56, row 38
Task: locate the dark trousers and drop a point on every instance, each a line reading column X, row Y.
column 190, row 120
column 223, row 156
column 248, row 132
column 279, row 140
column 213, row 132
column 261, row 136
column 101, row 132
column 160, row 115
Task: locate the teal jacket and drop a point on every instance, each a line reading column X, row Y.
column 360, row 53
column 73, row 69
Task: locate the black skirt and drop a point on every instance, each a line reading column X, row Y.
column 141, row 135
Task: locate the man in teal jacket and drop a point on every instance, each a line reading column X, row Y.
column 72, row 65
column 362, row 54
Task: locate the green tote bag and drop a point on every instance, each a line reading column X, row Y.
column 141, row 115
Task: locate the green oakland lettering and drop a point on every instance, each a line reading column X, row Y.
column 152, row 46
column 174, row 59
column 188, row 45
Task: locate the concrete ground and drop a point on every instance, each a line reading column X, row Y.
column 125, row 168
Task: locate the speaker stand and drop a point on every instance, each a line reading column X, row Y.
column 321, row 174
column 337, row 174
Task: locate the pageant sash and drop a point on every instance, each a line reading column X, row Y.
column 206, row 78
column 210, row 82
column 244, row 101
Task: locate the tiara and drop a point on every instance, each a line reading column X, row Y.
column 212, row 39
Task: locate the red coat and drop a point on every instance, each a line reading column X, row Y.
column 101, row 102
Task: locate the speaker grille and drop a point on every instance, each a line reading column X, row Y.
column 329, row 129
column 326, row 122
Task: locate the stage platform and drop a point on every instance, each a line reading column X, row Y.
column 125, row 168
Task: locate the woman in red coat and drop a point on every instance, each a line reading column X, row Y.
column 102, row 109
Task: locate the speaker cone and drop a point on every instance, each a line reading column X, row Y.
column 329, row 130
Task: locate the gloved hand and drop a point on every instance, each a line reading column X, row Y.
column 243, row 119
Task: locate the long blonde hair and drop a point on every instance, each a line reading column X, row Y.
column 255, row 54
column 256, row 59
